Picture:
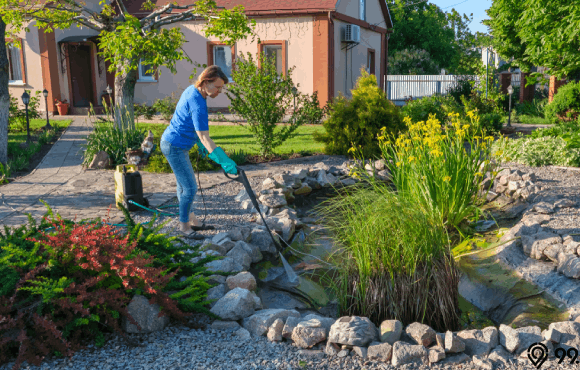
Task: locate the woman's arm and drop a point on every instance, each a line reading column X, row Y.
column 206, row 140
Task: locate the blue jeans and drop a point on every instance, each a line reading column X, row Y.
column 178, row 159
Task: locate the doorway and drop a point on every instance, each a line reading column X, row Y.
column 81, row 73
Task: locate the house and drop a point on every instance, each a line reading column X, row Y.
column 307, row 34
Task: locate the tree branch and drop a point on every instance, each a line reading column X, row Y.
column 122, row 8
column 156, row 13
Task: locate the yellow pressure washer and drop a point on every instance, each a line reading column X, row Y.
column 129, row 188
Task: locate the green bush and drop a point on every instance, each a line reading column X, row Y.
column 143, row 110
column 166, row 106
column 537, row 152
column 358, row 122
column 566, row 103
column 421, row 109
column 491, row 122
column 462, row 87
column 534, row 108
column 17, row 116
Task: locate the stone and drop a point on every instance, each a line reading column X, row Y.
column 503, row 172
column 325, row 179
column 227, row 244
column 347, row 182
column 544, row 208
column 225, row 325
column 380, row 164
column 353, row 330
column 569, row 265
column 307, row 336
column 440, row 340
column 313, row 183
column 490, row 336
column 101, row 161
column 145, row 314
column 300, row 173
column 552, row 335
column 380, row 351
column 534, row 246
column 455, row 359
column 241, row 196
column 552, row 252
column 569, row 333
column 269, row 183
column 528, row 335
column 390, row 331
column 288, row 228
column 275, row 331
column 476, row 342
column 241, row 256
column 240, row 233
column 257, row 302
column 311, row 354
column 244, row 280
column 284, row 178
column 343, row 353
column 263, row 240
column 360, row 351
column 221, row 249
column 216, row 279
column 421, row 333
column 259, row 323
column 331, row 349
column 288, row 213
column 499, row 355
column 482, row 363
column 273, row 200
column 384, row 175
column 326, row 322
column 529, row 177
column 564, row 203
column 235, row 305
column 453, row 344
column 404, row 353
column 248, row 205
column 503, row 180
column 304, row 189
column 436, row 355
column 509, row 338
column 252, row 250
column 291, row 323
column 243, row 335
column 217, row 238
column 216, row 293
column 224, row 265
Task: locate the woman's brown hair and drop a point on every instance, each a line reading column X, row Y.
column 210, row 74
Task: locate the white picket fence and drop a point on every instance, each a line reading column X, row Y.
column 403, row 87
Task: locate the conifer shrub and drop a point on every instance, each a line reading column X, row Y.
column 64, row 283
column 358, row 122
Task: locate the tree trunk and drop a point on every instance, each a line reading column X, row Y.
column 124, row 98
column 4, row 96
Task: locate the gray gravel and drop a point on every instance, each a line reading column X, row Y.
column 179, row 347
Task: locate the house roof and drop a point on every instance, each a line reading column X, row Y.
column 265, row 5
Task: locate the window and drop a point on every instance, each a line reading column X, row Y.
column 275, row 50
column 363, row 10
column 15, row 67
column 371, row 61
column 146, row 72
column 222, row 57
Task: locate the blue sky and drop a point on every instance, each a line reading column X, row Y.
column 477, row 7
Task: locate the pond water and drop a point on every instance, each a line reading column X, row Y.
column 490, row 293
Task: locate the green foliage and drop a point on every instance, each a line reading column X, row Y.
column 566, row 103
column 158, row 163
column 311, row 110
column 17, row 115
column 412, row 61
column 107, row 136
column 541, row 151
column 166, row 106
column 421, row 109
column 263, row 97
column 463, row 87
column 358, row 122
column 491, row 122
column 145, row 111
column 535, row 108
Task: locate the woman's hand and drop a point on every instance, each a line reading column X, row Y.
column 221, row 158
column 201, row 149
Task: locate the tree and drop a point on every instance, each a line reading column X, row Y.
column 412, row 62
column 126, row 39
column 444, row 35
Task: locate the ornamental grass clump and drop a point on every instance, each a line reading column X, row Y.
column 440, row 167
column 396, row 261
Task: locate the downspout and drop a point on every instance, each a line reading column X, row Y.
column 388, row 35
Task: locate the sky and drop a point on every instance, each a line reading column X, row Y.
column 477, row 7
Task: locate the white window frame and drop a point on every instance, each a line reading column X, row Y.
column 278, row 47
column 15, row 82
column 228, row 53
column 362, row 11
column 141, row 78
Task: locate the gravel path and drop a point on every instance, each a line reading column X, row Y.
column 179, row 347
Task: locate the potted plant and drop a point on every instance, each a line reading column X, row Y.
column 62, row 107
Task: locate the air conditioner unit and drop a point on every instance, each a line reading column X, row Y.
column 350, row 33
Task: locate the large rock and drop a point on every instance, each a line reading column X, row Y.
column 326, row 322
column 509, row 338
column 453, row 343
column 263, row 240
column 308, row 333
column 528, row 336
column 217, row 238
column 390, row 331
column 478, row 342
column 224, row 265
column 535, row 245
column 241, row 256
column 325, row 179
column 304, row 189
column 235, row 305
column 421, row 333
column 252, row 250
column 569, row 333
column 216, row 293
column 146, row 315
column 569, row 265
column 380, row 351
column 273, row 200
column 225, row 325
column 100, row 161
column 240, row 233
column 244, row 280
column 259, row 323
column 353, row 331
column 300, row 173
column 275, row 331
column 404, row 353
column 291, row 323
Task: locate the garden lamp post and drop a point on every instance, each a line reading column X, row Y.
column 510, row 90
column 26, row 100
column 294, row 92
column 109, row 91
column 45, row 94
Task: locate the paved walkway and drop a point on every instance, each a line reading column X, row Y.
column 75, row 192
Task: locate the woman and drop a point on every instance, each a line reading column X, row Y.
column 189, row 126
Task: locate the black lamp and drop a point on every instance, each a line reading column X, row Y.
column 26, row 100
column 45, row 94
column 510, row 90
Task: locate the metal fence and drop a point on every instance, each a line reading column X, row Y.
column 400, row 88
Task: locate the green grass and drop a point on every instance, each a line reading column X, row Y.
column 527, row 119
column 237, row 138
column 18, row 157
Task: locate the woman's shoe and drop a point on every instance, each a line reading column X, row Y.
column 203, row 227
column 191, row 235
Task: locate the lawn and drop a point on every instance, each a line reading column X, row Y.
column 527, row 119
column 19, row 157
column 237, row 138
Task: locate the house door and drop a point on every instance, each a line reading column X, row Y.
column 80, row 75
